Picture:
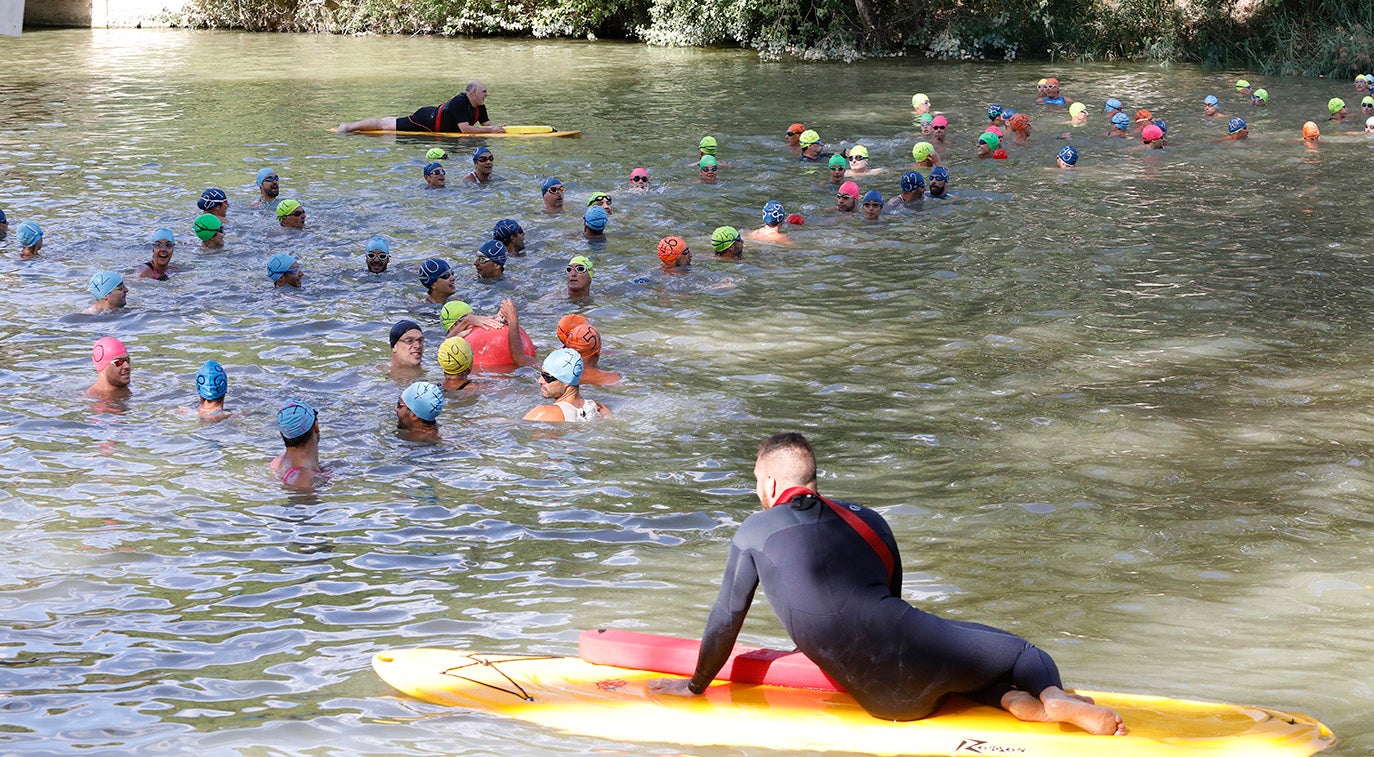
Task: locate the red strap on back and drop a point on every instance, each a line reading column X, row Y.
column 852, row 518
column 439, row 116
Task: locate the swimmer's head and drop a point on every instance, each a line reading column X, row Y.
column 850, row 188
column 212, row 383
column 585, row 339
column 639, row 176
column 837, row 161
column 287, row 207
column 549, row 183
column 452, row 312
column 455, row 356
column 105, row 282
column 858, row 152
column 926, row 118
column 1310, row 130
column 29, row 234
column 1163, row 127
column 912, row 181
column 479, row 153
column 939, row 122
column 163, row 235
column 1121, row 121
column 773, row 213
column 433, row 167
column 595, row 218
column 378, row 244
column 707, row 145
column 1211, row 100
column 1260, row 96
column 264, row 174
column 994, row 112
column 106, row 350
column 1069, row 155
column 1242, row 84
column 1235, row 125
column 212, row 197
column 1111, row 105
column 434, row 269
column 922, row 151
column 873, row 195
column 708, row 163
column 279, row 265
column 597, row 197
column 505, row 229
column 494, row 251
column 564, row 364
column 669, row 250
column 724, row 237
column 436, row 153
column 572, row 320
column 990, row 139
column 295, row 419
column 1143, row 116
column 585, row 262
column 919, row 99
column 1151, row 133
column 1335, row 105
column 207, row 226
column 400, row 329
column 809, row 137
column 424, row 399
column 1077, row 109
column 1020, row 122
column 795, row 130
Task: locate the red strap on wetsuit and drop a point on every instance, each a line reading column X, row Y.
column 852, row 518
column 439, row 116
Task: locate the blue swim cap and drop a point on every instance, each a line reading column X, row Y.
column 994, row 111
column 212, row 197
column 29, row 234
column 548, row 184
column 595, row 218
column 1210, row 100
column 263, row 173
column 164, row 235
column 1121, row 121
column 479, row 152
column 279, row 264
column 505, row 229
column 424, row 399
column 1234, row 125
column 1112, row 104
column 432, row 270
column 211, row 381
column 939, row 173
column 1163, row 127
column 378, row 243
column 104, row 282
column 495, row 252
column 912, row 181
column 1069, row 155
column 564, row 364
column 1008, row 112
column 432, row 167
column 3, row 219
column 295, row 418
column 873, row 195
column 773, row 213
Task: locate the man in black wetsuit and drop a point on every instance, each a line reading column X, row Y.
column 466, row 112
column 832, row 573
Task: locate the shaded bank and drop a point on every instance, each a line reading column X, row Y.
column 1326, row 37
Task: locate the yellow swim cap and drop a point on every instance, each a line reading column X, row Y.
column 858, row 151
column 809, row 137
column 922, row 150
column 455, row 355
column 1077, row 108
column 919, row 99
column 1334, row 105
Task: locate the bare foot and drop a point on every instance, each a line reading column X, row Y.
column 1025, row 707
column 1080, row 697
column 1062, row 708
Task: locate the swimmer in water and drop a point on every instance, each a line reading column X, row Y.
column 1068, row 157
column 164, row 244
column 269, row 186
column 1142, row 118
column 291, row 214
column 811, row 147
column 938, row 127
column 1244, row 89
column 639, row 179
column 30, row 237
column 1112, row 107
column 995, row 116
column 987, row 144
column 1210, row 109
column 1369, row 125
column 378, row 255
column 1362, row 84
column 113, row 370
column 707, row 146
column 210, row 231
column 1367, row 107
column 482, row 162
column 417, row 412
column 924, row 123
column 580, row 271
column 602, row 199
column 491, row 260
column 436, row 153
column 771, row 230
column 674, row 255
column 284, row 270
column 838, row 168
column 1052, row 96
column 457, row 319
column 455, row 358
column 594, row 223
column 1260, row 98
column 215, row 202
column 1121, row 124
column 924, row 154
column 107, row 287
column 920, row 103
column 437, row 276
column 212, row 384
column 1310, row 133
column 872, row 205
column 407, row 351
column 510, row 234
column 858, row 161
column 793, row 138
column 1020, row 128
column 552, row 192
column 1337, row 107
column 435, row 175
column 587, row 341
column 939, row 181
column 299, row 465
column 1152, row 137
column 727, row 243
column 913, row 190
column 560, row 378
column 1237, row 130
column 1078, row 114
column 847, row 199
column 707, row 168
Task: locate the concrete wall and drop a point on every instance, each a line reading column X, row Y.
column 97, row 13
column 11, row 17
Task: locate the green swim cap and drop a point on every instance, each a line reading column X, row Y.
column 707, row 160
column 596, row 197
column 1367, row 100
column 207, row 225
column 583, row 260
column 723, row 237
column 1241, row 84
column 838, row 160
column 286, row 208
column 925, row 119
column 453, row 312
column 922, row 150
column 1262, row 94
column 436, row 153
column 707, row 145
column 1334, row 105
column 808, row 137
column 989, row 139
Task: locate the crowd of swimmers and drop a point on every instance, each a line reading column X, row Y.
column 497, row 343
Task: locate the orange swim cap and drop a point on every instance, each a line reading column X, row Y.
column 670, row 249
column 566, row 324
column 1020, row 122
column 1310, row 131
column 1143, row 115
column 1053, row 82
column 585, row 339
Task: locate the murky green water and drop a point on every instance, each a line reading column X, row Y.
column 1122, row 411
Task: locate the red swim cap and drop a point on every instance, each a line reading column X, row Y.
column 796, row 219
column 566, row 324
column 585, row 339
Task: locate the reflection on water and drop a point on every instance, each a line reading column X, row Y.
column 1121, row 411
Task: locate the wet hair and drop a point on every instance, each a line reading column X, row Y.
column 798, row 461
column 299, row 441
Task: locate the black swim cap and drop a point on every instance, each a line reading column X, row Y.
column 400, row 329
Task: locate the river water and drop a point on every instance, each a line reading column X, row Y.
column 1121, row 411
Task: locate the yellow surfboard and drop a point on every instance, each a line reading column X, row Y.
column 601, row 701
column 511, row 131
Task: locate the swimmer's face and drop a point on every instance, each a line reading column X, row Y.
column 484, row 163
column 845, row 203
column 119, row 372
column 409, row 349
column 486, row 267
column 118, row 296
column 436, row 179
column 937, row 188
column 295, row 219
column 579, row 277
column 271, row 186
column 215, row 241
column 553, row 199
column 1208, row 109
column 32, row 251
column 872, row 210
column 162, row 252
column 516, row 242
column 684, row 260
column 983, row 150
column 708, row 174
column 478, row 94
column 1242, row 134
column 837, row 174
column 292, row 278
column 444, row 287
column 377, row 261
column 4, row 229
column 812, row 150
column 549, row 386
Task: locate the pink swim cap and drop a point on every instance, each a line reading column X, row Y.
column 1151, row 133
column 105, row 351
column 639, row 172
column 994, row 130
column 850, row 188
column 939, row 121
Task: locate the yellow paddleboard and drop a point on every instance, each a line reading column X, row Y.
column 511, row 131
column 572, row 695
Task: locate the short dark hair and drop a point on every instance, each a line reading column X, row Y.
column 798, row 450
column 299, row 441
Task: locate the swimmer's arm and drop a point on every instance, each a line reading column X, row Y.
column 602, row 410
column 546, row 413
column 474, row 321
column 482, row 128
column 517, row 350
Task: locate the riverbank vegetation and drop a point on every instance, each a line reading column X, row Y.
column 1319, row 37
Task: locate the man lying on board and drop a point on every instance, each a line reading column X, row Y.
column 832, row 573
column 465, row 113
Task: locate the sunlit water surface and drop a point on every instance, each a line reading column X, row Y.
column 1121, row 411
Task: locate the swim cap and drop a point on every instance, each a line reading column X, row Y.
column 994, row 111
column 595, row 218
column 707, row 160
column 106, row 350
column 1042, row 82
column 1151, row 133
column 858, row 151
column 638, row 172
column 3, row 219
column 1241, row 84
column 452, row 312
column 1007, row 113
column 1310, row 130
column 1053, row 82
column 596, row 197
column 994, row 130
column 1020, row 122
column 725, row 236
column 494, row 251
column 939, row 121
column 912, row 181
column 873, row 195
column 796, row 129
column 286, row 208
column 1121, row 121
column 707, row 145
column 926, row 118
column 378, row 243
column 432, row 167
column 279, row 264
column 1112, row 104
column 999, row 154
column 401, row 328
column 163, row 235
column 1077, row 108
column 1234, row 125
column 1261, row 94
column 565, row 365
column 919, row 99
column 921, row 151
column 989, row 139
column 583, row 260
column 548, row 184
column 479, row 152
column 796, row 219
column 1069, row 155
column 424, row 399
column 212, row 197
column 809, row 137
column 850, row 188
column 432, row 270
column 1163, row 127
column 295, row 419
column 207, row 226
column 30, row 233
column 455, row 355
column 505, row 229
column 669, row 250
column 838, row 161
column 436, row 153
column 263, row 173
column 1334, row 105
column 939, row 173
column 103, row 283
column 572, row 320
column 773, row 213
column 211, row 381
column 1210, row 100
column 585, row 339
column 1367, row 101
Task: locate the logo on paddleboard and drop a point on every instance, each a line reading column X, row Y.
column 612, row 684
column 978, row 746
